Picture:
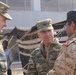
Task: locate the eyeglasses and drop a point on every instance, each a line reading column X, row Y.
column 65, row 26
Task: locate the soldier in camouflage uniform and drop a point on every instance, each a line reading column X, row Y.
column 66, row 61
column 42, row 59
column 3, row 17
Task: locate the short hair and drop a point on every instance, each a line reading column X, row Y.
column 5, row 42
column 71, row 16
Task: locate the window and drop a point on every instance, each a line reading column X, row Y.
column 74, row 4
column 4, row 1
column 65, row 5
column 58, row 5
column 28, row 5
column 49, row 5
column 19, row 4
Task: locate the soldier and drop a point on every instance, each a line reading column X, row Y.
column 66, row 61
column 3, row 17
column 42, row 58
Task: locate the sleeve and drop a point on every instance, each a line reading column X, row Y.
column 32, row 66
column 66, row 62
column 11, row 56
column 3, row 63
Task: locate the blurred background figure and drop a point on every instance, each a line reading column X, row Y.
column 9, row 56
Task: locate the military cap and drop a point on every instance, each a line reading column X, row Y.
column 4, row 10
column 71, row 16
column 44, row 25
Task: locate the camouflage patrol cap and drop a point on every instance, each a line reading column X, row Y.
column 3, row 10
column 44, row 25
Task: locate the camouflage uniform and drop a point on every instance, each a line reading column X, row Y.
column 42, row 59
column 66, row 61
column 3, row 63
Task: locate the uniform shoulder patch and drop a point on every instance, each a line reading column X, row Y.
column 72, row 41
column 65, row 44
column 69, row 42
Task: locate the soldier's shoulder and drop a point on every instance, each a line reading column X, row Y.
column 70, row 42
column 36, row 51
column 73, row 41
column 57, row 47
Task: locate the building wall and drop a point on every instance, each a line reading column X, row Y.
column 29, row 18
column 25, row 13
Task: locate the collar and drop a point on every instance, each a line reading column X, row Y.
column 42, row 46
column 72, row 36
column 70, row 40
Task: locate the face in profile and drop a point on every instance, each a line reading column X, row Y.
column 2, row 22
column 70, row 29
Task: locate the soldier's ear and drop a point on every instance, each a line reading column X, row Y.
column 73, row 25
